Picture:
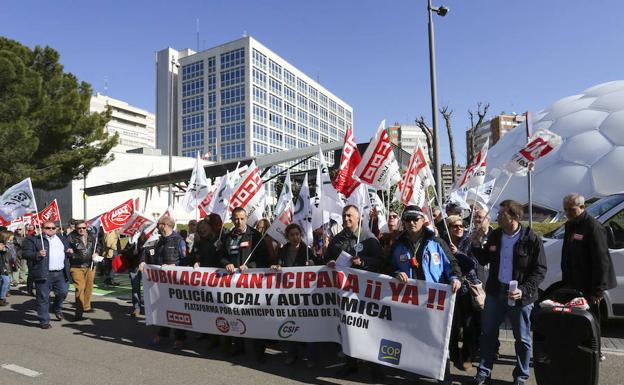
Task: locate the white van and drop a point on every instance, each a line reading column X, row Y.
column 610, row 212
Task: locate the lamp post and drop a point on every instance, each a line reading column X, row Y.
column 441, row 11
column 174, row 65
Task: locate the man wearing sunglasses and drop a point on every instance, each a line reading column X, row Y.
column 49, row 256
column 84, row 247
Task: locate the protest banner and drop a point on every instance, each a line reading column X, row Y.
column 374, row 317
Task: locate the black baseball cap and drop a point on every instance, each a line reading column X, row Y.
column 412, row 212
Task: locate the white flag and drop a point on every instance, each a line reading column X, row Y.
column 18, row 200
column 415, row 181
column 249, row 194
column 360, row 199
column 197, row 188
column 378, row 167
column 283, row 211
column 474, row 175
column 540, row 144
column 375, row 201
column 303, row 212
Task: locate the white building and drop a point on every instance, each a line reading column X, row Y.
column 136, row 127
column 241, row 99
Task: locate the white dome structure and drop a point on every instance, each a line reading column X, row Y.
column 590, row 160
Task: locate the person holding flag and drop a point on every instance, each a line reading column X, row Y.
column 49, row 257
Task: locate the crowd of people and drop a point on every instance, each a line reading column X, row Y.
column 481, row 264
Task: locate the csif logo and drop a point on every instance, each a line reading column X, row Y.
column 177, row 318
column 287, row 329
column 390, row 352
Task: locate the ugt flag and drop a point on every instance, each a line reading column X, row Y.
column 344, row 181
column 17, row 201
column 197, row 188
column 540, row 144
column 378, row 167
column 118, row 217
column 50, row 213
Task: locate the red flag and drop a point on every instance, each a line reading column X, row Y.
column 118, row 217
column 203, row 205
column 349, row 160
column 50, row 213
column 135, row 224
column 415, row 180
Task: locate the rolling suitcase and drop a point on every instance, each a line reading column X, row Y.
column 565, row 344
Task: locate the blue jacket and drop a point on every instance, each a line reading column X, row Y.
column 433, row 263
column 39, row 267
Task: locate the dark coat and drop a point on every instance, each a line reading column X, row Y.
column 83, row 254
column 39, row 266
column 371, row 254
column 170, row 250
column 205, row 252
column 529, row 262
column 304, row 253
column 249, row 240
column 586, row 264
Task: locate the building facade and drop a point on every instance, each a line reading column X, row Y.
column 241, row 99
column 494, row 129
column 408, row 137
column 447, row 176
column 136, row 127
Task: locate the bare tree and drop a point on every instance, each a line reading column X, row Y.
column 447, row 114
column 420, row 122
column 481, row 112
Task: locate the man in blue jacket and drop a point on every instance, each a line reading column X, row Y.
column 49, row 263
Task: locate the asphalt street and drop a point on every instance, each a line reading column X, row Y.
column 112, row 348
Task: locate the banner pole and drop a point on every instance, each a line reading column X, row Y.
column 59, row 213
column 500, row 192
column 441, row 212
column 358, row 236
column 254, row 249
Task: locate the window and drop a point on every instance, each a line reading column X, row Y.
column 332, row 105
column 232, row 95
column 324, row 113
column 289, row 78
column 212, row 118
column 341, row 123
column 231, row 77
column 333, row 132
column 260, row 113
column 260, row 149
column 302, row 86
column 290, row 127
column 260, row 95
column 302, row 131
column 289, row 94
column 323, row 99
column 275, row 69
column 275, row 86
column 341, row 111
column 259, row 59
column 302, row 101
column 212, row 100
column 275, row 120
column 212, row 135
column 314, row 136
column 211, row 153
column 212, row 67
column 275, row 103
column 275, row 138
column 332, row 118
column 290, row 142
column 232, row 150
column 289, row 110
column 314, row 122
column 348, row 116
column 615, row 231
column 192, row 122
column 232, row 58
column 193, row 87
column 193, row 139
column 259, row 77
column 212, row 82
column 193, row 104
column 192, row 70
column 314, row 109
column 232, row 131
column 260, row 132
column 302, row 116
column 233, row 113
column 324, row 128
column 325, row 139
column 312, row 93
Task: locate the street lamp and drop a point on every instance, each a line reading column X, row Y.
column 441, row 11
column 174, row 65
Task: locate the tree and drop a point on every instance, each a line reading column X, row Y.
column 446, row 114
column 420, row 122
column 46, row 129
column 470, row 145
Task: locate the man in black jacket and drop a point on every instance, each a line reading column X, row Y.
column 585, row 261
column 84, row 247
column 515, row 253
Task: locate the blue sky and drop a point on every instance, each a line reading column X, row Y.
column 516, row 55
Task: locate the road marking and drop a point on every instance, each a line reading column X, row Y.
column 21, row 370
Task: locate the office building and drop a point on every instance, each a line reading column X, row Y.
column 494, row 128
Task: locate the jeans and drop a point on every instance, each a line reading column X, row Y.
column 496, row 308
column 56, row 282
column 5, row 281
column 135, row 281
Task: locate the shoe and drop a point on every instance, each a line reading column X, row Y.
column 518, row 381
column 30, row 293
column 78, row 316
column 115, row 283
column 346, row 370
column 602, row 357
column 135, row 313
column 178, row 345
column 13, row 284
column 90, row 311
column 45, row 326
column 3, row 302
column 290, row 360
column 59, row 316
column 311, row 364
column 479, row 381
column 465, row 366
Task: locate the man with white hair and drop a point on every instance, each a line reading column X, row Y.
column 585, row 261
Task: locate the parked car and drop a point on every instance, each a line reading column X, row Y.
column 610, row 212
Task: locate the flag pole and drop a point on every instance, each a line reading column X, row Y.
column 358, row 236
column 59, row 213
column 441, row 212
column 500, row 192
column 530, row 173
column 37, row 212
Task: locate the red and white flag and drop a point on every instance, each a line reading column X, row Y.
column 474, row 175
column 539, row 144
column 203, row 205
column 118, row 217
column 137, row 222
column 378, row 167
column 50, row 213
column 344, row 181
column 150, row 231
column 415, row 180
column 249, row 194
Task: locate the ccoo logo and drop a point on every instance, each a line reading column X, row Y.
column 177, row 318
column 390, row 352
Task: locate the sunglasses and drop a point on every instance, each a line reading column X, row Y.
column 50, row 228
column 412, row 219
column 81, row 228
column 457, row 226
